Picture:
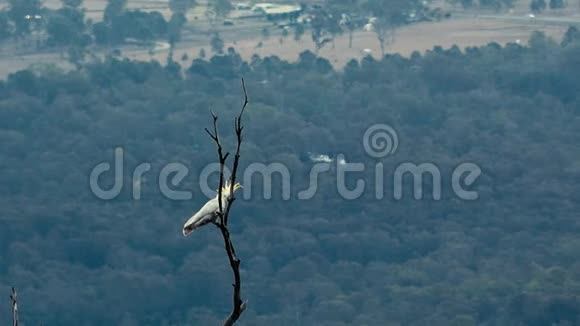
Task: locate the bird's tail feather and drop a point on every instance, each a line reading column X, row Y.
column 189, row 228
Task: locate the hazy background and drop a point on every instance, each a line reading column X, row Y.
column 492, row 83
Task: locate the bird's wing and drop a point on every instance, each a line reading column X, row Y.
column 204, row 216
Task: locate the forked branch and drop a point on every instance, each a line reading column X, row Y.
column 238, row 304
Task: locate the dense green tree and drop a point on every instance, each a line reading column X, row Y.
column 66, row 26
column 103, row 34
column 220, row 8
column 179, row 9
column 216, row 10
column 140, row 25
column 467, row 3
column 114, row 9
column 572, row 36
column 72, row 3
column 22, row 13
column 496, row 5
column 181, row 6
column 388, row 16
column 538, row 5
column 323, row 27
column 394, row 12
column 557, row 4
column 133, row 24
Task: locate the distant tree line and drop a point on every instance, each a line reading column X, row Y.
column 496, row 5
column 499, row 5
column 68, row 26
column 538, row 6
column 338, row 17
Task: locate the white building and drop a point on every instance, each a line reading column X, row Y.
column 275, row 11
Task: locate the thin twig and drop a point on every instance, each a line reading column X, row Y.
column 238, row 304
column 222, row 159
column 238, row 128
column 14, row 299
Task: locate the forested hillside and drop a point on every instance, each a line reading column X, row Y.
column 511, row 257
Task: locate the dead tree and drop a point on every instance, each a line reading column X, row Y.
column 14, row 299
column 222, row 222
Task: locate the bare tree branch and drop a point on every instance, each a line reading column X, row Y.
column 238, row 304
column 238, row 128
column 14, row 299
column 222, row 159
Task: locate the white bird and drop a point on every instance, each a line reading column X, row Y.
column 210, row 211
column 369, row 27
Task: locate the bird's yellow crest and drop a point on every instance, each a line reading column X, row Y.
column 227, row 186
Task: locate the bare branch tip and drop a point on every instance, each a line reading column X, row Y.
column 210, row 134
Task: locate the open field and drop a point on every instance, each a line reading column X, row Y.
column 417, row 37
column 465, row 29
